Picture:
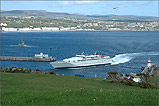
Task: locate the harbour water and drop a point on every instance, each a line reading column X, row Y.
column 129, row 49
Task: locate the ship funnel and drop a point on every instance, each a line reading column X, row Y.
column 82, row 53
column 95, row 53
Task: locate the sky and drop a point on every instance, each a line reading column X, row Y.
column 138, row 8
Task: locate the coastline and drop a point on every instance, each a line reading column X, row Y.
column 79, row 30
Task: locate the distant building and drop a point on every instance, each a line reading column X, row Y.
column 114, row 29
column 50, row 28
column 24, row 29
column 36, row 29
column 64, row 29
column 41, row 55
column 9, row 29
column 3, row 24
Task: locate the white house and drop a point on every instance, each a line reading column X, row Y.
column 50, row 28
column 3, row 24
column 9, row 29
column 41, row 55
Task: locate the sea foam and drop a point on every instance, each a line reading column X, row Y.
column 23, row 46
column 123, row 58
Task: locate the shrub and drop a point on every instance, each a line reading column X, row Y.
column 144, row 76
column 113, row 72
column 2, row 70
column 56, row 74
column 145, row 84
column 30, row 70
column 128, row 81
column 51, row 72
column 113, row 81
column 38, row 70
column 121, row 75
column 112, row 75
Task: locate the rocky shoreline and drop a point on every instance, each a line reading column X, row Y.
column 25, row 70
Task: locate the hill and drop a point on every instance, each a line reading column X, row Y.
column 42, row 13
column 41, row 89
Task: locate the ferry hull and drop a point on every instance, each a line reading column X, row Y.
column 79, row 66
column 63, row 65
column 58, row 65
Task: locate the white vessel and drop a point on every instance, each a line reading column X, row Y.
column 82, row 61
column 41, row 55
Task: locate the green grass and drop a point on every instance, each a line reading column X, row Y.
column 155, row 80
column 40, row 89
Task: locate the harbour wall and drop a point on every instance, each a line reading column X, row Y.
column 10, row 58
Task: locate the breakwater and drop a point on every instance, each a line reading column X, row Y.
column 11, row 58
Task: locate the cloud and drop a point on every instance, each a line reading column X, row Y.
column 75, row 3
column 140, row 3
column 120, row 5
column 130, row 3
column 110, row 4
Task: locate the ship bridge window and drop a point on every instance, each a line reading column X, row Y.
column 69, row 61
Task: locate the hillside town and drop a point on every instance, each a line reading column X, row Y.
column 31, row 23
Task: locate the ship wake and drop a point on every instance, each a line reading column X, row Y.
column 22, row 46
column 123, row 58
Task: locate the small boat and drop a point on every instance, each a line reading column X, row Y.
column 82, row 61
column 21, row 44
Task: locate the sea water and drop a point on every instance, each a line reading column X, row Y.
column 130, row 50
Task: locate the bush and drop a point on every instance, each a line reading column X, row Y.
column 144, row 76
column 38, row 70
column 113, row 72
column 128, row 81
column 145, row 84
column 121, row 75
column 112, row 75
column 113, row 81
column 56, row 73
column 51, row 72
column 2, row 70
column 30, row 70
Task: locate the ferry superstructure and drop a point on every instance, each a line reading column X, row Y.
column 82, row 61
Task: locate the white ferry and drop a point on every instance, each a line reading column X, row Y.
column 82, row 61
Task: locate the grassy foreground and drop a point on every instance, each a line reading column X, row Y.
column 41, row 89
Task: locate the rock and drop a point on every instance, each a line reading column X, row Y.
column 6, row 70
column 56, row 74
column 20, row 70
column 157, row 73
column 30, row 70
column 24, row 69
column 13, row 70
column 2, row 70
